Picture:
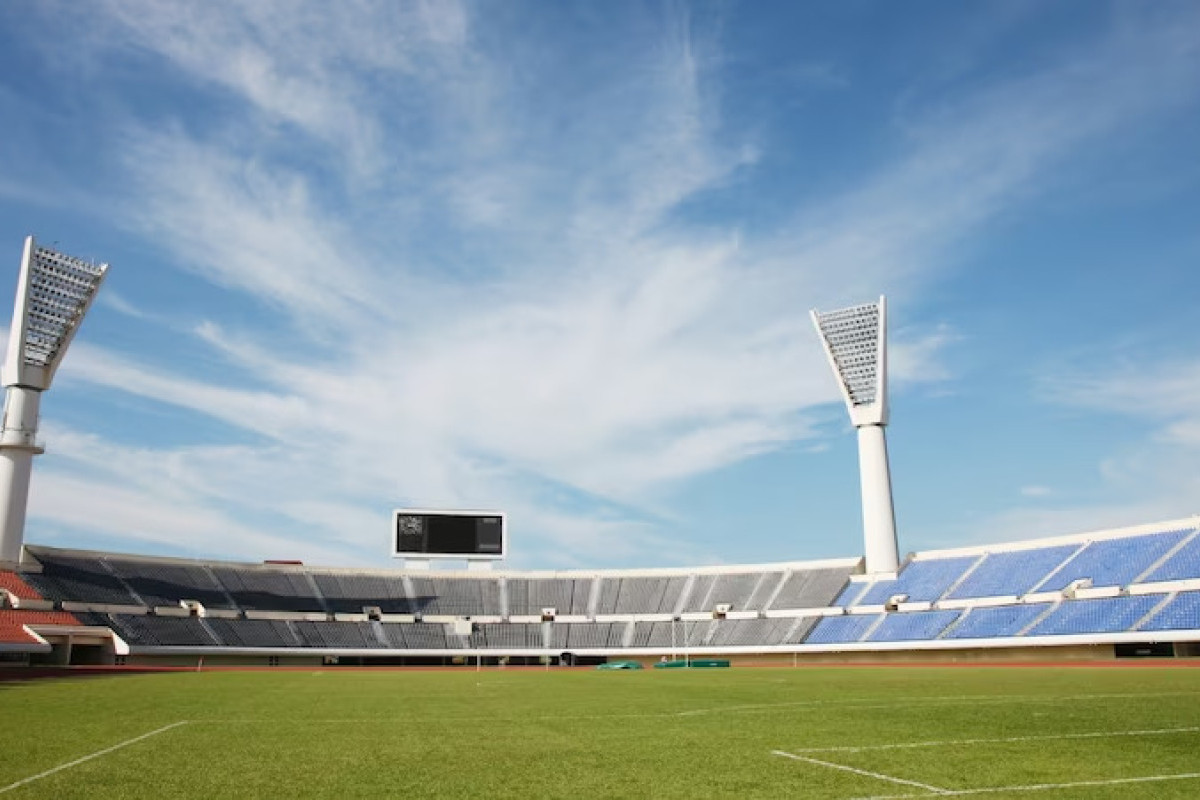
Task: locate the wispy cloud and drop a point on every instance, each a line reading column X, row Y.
column 1166, row 392
column 296, row 65
column 465, row 299
column 1153, row 477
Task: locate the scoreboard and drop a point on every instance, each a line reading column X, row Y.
column 422, row 533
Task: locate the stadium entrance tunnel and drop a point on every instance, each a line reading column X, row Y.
column 1144, row 650
column 76, row 649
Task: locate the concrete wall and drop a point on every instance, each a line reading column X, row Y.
column 1098, row 652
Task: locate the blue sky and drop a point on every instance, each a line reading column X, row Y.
column 557, row 258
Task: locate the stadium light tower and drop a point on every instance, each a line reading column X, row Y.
column 855, row 341
column 54, row 291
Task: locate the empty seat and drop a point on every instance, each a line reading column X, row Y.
column 13, row 583
column 669, row 634
column 640, row 594
column 25, row 617
column 811, row 588
column 163, row 584
column 349, row 593
column 268, row 589
column 749, row 632
column 417, row 636
column 528, row 596
column 912, row 626
column 1096, row 615
column 457, row 597
column 1013, row 572
column 997, row 621
column 586, row 635
column 1114, row 562
column 253, row 632
column 1181, row 613
column 833, row 630
column 1182, row 565
column 743, row 591
column 76, row 578
column 163, row 631
column 341, row 635
column 507, row 635
column 922, row 580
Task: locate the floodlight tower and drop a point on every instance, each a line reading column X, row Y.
column 855, row 341
column 54, row 291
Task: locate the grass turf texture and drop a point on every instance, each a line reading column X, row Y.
column 652, row 733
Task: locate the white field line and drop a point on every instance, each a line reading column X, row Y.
column 89, row 757
column 877, row 775
column 1036, row 738
column 1037, row 787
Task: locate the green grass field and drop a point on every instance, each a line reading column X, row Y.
column 849, row 733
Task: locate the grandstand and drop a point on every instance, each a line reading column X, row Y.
column 1084, row 596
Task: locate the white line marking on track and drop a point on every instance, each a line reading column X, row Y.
column 1037, row 738
column 1038, row 787
column 867, row 773
column 89, row 757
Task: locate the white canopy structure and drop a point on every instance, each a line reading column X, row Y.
column 54, row 291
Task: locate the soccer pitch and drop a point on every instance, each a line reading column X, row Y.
column 810, row 732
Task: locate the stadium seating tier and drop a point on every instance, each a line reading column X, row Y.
column 1183, row 564
column 1182, row 612
column 992, row 622
column 1013, row 572
column 922, row 581
column 1114, row 562
column 836, row 630
column 912, row 626
column 103, row 580
column 1097, row 615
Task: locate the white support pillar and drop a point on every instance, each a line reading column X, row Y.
column 879, row 519
column 18, row 446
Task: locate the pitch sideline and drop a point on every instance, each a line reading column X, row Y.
column 90, row 756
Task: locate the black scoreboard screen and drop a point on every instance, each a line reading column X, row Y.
column 418, row 533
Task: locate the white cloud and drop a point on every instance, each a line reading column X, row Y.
column 584, row 336
column 118, row 303
column 129, row 513
column 1155, row 477
column 1165, row 392
column 295, row 64
column 249, row 228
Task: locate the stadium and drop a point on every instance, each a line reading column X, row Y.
column 1110, row 594
column 464, row 412
column 1107, row 597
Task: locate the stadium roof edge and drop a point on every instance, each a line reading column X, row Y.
column 1183, row 523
